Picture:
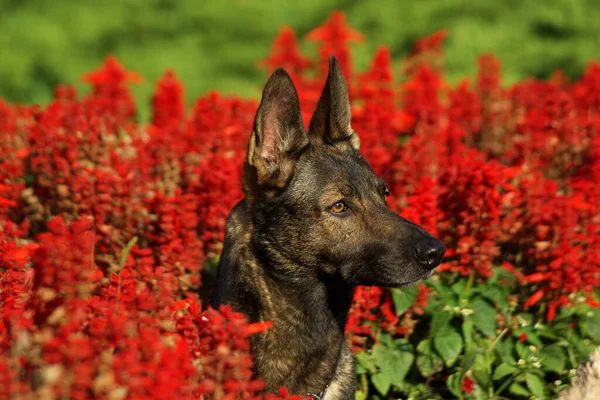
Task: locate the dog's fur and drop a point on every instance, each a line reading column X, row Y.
column 290, row 256
column 586, row 384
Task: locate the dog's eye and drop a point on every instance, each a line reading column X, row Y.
column 386, row 192
column 338, row 207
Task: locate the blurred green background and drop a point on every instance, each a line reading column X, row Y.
column 216, row 44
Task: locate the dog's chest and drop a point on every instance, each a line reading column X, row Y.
column 305, row 364
column 343, row 384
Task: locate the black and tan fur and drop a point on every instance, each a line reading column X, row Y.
column 292, row 258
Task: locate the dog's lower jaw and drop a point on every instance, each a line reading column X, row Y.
column 416, row 281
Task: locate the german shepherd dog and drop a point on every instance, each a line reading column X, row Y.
column 313, row 225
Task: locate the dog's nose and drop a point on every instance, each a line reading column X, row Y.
column 429, row 252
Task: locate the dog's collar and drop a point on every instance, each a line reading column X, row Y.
column 320, row 396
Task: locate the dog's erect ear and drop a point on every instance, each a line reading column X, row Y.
column 330, row 124
column 278, row 137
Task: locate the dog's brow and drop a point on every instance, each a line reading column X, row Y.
column 334, row 190
column 347, row 190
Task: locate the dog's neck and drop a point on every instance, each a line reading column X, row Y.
column 308, row 311
column 306, row 349
column 318, row 299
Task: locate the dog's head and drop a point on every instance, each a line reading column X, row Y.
column 316, row 203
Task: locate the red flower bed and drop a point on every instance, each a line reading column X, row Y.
column 106, row 224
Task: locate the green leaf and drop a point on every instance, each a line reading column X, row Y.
column 444, row 294
column 504, row 350
column 503, row 370
column 468, row 360
column 518, row 389
column 481, row 371
column 386, row 339
column 561, row 326
column 379, row 353
column 433, row 284
column 441, row 319
column 403, row 345
column 467, row 328
column 553, row 358
column 428, row 362
column 360, row 395
column 459, row 287
column 549, row 334
column 404, row 298
column 484, row 316
column 481, row 361
column 522, row 350
column 454, row 383
column 497, row 294
column 534, row 339
column 520, row 377
column 536, row 385
column 396, row 362
column 483, row 379
column 448, row 344
column 502, row 274
column 590, row 325
column 382, row 381
column 365, row 361
column 403, row 361
column 580, row 348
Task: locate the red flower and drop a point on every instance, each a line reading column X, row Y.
column 432, row 42
column 535, row 298
column 335, row 36
column 285, row 53
column 112, row 72
column 258, row 327
column 168, row 102
column 468, row 384
column 522, row 337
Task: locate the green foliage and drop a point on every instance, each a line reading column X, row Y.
column 215, row 45
column 591, row 325
column 403, row 299
column 470, row 331
column 448, row 344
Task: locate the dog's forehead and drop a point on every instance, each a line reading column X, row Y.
column 328, row 167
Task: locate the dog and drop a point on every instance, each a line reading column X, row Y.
column 314, row 224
